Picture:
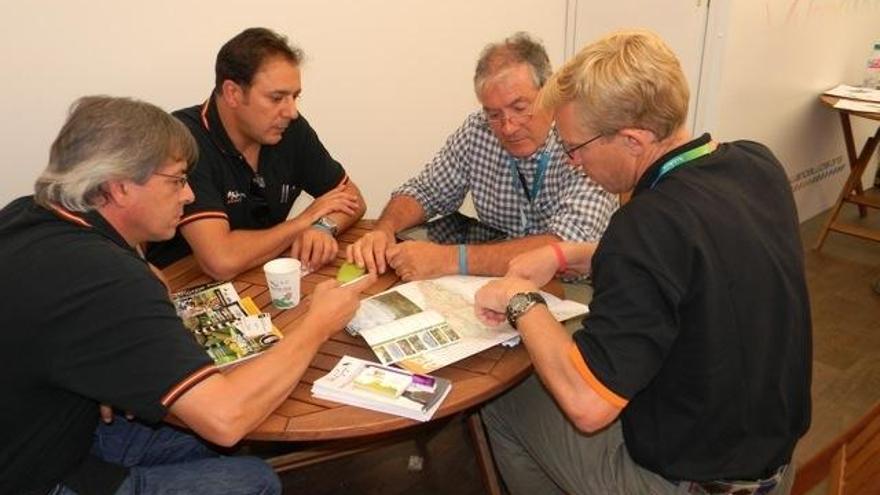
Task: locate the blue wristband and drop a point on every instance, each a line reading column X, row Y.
column 462, row 259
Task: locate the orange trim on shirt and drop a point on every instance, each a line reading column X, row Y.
column 70, row 217
column 202, row 215
column 204, row 114
column 577, row 359
column 188, row 383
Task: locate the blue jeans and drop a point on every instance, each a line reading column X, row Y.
column 162, row 460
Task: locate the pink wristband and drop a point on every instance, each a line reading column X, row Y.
column 560, row 257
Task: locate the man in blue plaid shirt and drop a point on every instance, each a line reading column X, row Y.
column 509, row 157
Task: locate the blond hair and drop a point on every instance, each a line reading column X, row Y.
column 628, row 79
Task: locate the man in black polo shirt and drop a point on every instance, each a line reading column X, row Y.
column 692, row 371
column 256, row 154
column 88, row 323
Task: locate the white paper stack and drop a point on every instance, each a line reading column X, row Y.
column 382, row 388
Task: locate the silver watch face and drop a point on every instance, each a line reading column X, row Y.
column 326, row 223
column 519, row 302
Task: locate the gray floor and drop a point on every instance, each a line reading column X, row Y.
column 846, row 381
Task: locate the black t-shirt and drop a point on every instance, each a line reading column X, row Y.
column 700, row 319
column 83, row 321
column 226, row 187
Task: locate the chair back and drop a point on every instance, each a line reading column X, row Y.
column 851, row 463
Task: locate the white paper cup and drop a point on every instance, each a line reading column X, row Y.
column 283, row 276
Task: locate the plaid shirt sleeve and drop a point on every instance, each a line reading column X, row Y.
column 584, row 208
column 441, row 186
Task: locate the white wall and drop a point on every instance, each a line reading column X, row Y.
column 682, row 24
column 385, row 81
column 766, row 64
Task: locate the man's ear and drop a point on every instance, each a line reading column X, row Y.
column 117, row 192
column 636, row 141
column 232, row 93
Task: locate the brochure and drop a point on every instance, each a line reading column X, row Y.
column 428, row 324
column 380, row 388
column 229, row 328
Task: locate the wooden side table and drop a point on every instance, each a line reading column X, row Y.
column 852, row 189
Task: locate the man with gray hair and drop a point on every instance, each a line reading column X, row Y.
column 90, row 325
column 509, row 157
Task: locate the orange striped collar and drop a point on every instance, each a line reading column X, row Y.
column 68, row 215
column 91, row 220
column 204, row 113
column 210, row 114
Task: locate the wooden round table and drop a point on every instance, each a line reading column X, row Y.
column 304, row 418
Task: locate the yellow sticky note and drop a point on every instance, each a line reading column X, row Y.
column 348, row 272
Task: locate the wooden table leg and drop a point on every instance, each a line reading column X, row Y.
column 853, row 183
column 852, row 157
column 485, row 461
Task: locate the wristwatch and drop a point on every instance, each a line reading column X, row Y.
column 327, row 223
column 520, row 303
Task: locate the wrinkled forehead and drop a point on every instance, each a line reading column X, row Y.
column 508, row 86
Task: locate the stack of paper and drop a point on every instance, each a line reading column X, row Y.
column 382, row 388
column 855, row 93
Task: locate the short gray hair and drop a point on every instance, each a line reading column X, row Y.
column 517, row 49
column 107, row 138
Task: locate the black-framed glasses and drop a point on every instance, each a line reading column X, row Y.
column 570, row 151
column 180, row 180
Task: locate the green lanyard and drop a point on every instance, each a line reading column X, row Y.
column 679, row 160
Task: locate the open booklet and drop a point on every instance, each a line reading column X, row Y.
column 428, row 324
column 382, row 388
column 230, row 328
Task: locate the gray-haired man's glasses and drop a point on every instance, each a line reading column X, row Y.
column 180, row 180
column 516, row 117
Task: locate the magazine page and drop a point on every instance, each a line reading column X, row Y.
column 410, row 336
column 229, row 328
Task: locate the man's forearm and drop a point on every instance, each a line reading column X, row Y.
column 492, row 259
column 344, row 220
column 224, row 253
column 226, row 407
column 548, row 344
column 400, row 213
column 578, row 255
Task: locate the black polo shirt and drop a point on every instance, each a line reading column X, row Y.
column 700, row 319
column 84, row 321
column 226, row 186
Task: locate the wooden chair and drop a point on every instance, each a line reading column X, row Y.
column 851, row 463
